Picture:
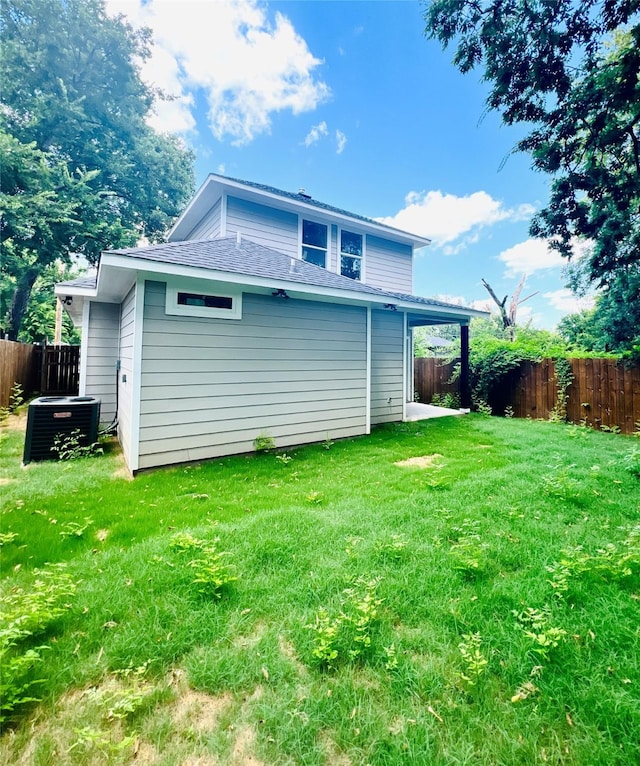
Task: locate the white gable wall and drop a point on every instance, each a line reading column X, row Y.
column 294, row 370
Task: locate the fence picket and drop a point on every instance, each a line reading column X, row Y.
column 48, row 369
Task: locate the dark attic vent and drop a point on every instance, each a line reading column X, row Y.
column 303, row 193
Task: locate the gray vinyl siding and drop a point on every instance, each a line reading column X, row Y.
column 389, row 265
column 295, row 370
column 387, row 330
column 125, row 376
column 101, row 349
column 209, row 226
column 265, row 225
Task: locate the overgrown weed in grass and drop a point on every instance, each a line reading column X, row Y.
column 75, row 528
column 7, row 537
column 475, row 663
column 468, row 550
column 617, row 563
column 25, row 613
column 70, row 447
column 212, row 573
column 347, row 633
column 630, row 461
column 392, row 549
column 559, row 483
column 543, row 636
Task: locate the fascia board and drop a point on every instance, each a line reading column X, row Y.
column 85, row 292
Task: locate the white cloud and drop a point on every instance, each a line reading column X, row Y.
column 530, row 256
column 316, row 132
column 568, row 302
column 341, row 140
column 444, row 218
column 247, row 66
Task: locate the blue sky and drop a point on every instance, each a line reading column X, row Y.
column 350, row 101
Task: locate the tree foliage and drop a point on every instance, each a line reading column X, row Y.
column 613, row 324
column 570, row 71
column 82, row 169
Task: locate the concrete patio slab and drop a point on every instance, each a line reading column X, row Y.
column 419, row 411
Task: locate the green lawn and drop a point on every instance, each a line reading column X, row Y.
column 329, row 606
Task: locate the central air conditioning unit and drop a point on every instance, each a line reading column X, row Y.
column 52, row 416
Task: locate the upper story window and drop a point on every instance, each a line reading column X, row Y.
column 350, row 254
column 314, row 243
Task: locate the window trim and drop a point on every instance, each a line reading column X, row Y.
column 173, row 308
column 303, row 244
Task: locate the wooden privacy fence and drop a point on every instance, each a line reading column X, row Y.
column 60, row 370
column 19, row 363
column 431, row 376
column 44, row 369
column 604, row 392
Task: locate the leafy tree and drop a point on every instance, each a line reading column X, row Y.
column 38, row 323
column 82, row 170
column 582, row 331
column 427, row 340
column 613, row 324
column 569, row 70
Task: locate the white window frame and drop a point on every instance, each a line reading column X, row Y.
column 173, row 308
column 339, row 253
column 327, row 249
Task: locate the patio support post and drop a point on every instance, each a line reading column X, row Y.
column 465, row 389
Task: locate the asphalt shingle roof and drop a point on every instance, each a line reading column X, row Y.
column 226, row 255
column 307, row 199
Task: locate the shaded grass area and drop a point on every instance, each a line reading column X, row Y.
column 481, row 610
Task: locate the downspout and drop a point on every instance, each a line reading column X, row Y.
column 136, row 382
column 368, row 384
column 405, row 362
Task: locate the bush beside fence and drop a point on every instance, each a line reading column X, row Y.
column 604, row 393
